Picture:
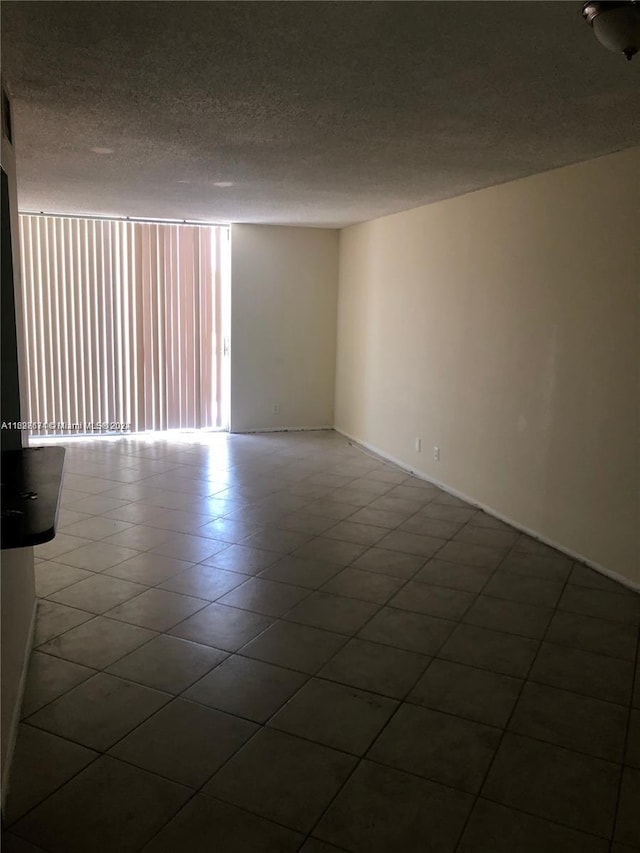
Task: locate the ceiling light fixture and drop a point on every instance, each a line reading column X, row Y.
column 616, row 24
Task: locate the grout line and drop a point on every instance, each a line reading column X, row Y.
column 392, row 715
column 11, row 827
column 504, row 730
column 525, row 681
column 626, row 742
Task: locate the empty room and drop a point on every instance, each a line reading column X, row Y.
column 320, row 427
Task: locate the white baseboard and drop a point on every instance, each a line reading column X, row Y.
column 15, row 719
column 603, row 570
column 281, row 429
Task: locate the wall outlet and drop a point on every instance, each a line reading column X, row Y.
column 436, row 453
column 418, row 445
column 276, row 408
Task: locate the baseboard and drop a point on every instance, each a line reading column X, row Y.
column 15, row 720
column 281, row 429
column 534, row 534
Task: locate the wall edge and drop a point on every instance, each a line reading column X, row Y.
column 603, row 570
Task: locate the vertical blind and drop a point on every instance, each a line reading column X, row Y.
column 123, row 324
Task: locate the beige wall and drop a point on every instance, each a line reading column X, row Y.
column 503, row 327
column 283, row 326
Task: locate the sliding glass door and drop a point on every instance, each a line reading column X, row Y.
column 125, row 324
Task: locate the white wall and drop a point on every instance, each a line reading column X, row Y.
column 17, row 592
column 283, row 326
column 503, row 326
column 17, row 586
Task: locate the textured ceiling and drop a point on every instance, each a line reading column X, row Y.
column 318, row 113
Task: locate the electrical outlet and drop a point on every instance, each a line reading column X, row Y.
column 436, row 454
column 276, row 408
column 418, row 445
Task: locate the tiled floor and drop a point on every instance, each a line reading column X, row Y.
column 280, row 643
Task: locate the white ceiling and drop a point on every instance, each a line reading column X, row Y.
column 319, row 113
